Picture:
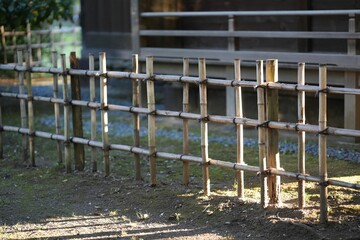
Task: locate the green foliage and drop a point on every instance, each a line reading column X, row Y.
column 14, row 14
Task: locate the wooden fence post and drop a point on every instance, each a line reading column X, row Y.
column 54, row 59
column 67, row 141
column 30, row 111
column 151, row 118
column 3, row 43
column 239, row 131
column 79, row 152
column 23, row 115
column 301, row 136
column 272, row 108
column 204, row 126
column 136, row 118
column 186, row 174
column 261, row 131
column 323, row 144
column 92, row 112
column 28, row 39
column 104, row 113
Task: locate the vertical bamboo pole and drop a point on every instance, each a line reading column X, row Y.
column 301, row 136
column 24, row 120
column 28, row 39
column 15, row 47
column 204, row 126
column 272, row 108
column 239, row 131
column 66, row 115
column 93, row 112
column 151, row 118
column 323, row 144
column 30, row 111
column 136, row 117
column 3, row 43
column 38, row 50
column 79, row 151
column 261, row 132
column 104, row 112
column 54, row 59
column 186, row 175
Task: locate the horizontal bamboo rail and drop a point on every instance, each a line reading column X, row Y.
column 265, row 169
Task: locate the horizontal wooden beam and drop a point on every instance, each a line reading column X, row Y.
column 251, row 34
column 343, row 61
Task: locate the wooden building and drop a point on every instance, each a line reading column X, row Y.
column 123, row 27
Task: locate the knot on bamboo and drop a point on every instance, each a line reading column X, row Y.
column 151, row 78
column 204, row 81
column 324, row 183
column 67, row 103
column 104, row 75
column 104, row 107
column 323, row 132
column 152, row 112
column 324, row 90
column 205, row 119
column 153, row 154
column 234, row 83
column 266, row 172
column 263, row 86
column 264, row 124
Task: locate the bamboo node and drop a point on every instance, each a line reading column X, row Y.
column 264, row 124
column 324, row 90
column 323, row 132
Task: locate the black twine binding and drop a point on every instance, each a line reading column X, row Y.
column 264, row 124
column 180, row 78
column 325, row 90
column 323, row 132
column 204, row 119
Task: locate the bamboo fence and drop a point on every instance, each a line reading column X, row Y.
column 36, row 41
column 267, row 123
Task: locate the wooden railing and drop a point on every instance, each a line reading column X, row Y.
column 267, row 123
column 348, row 60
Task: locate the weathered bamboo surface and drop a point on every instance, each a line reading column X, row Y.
column 265, row 123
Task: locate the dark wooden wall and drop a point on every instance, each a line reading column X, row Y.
column 107, row 24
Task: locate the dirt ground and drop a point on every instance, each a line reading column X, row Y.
column 40, row 203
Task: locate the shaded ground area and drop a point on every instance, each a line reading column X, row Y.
column 44, row 203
